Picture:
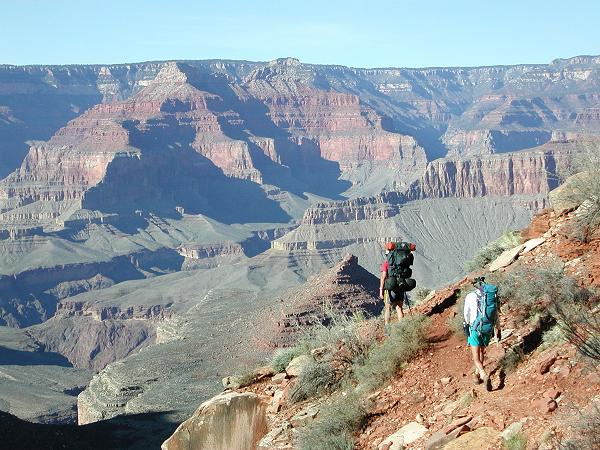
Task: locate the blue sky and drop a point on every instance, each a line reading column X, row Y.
column 353, row 33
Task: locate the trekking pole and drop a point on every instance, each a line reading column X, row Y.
column 407, row 300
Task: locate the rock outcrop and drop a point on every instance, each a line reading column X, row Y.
column 229, row 421
column 345, row 289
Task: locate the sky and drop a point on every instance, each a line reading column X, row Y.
column 351, row 33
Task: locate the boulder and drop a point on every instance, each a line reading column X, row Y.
column 457, row 423
column 415, row 397
column 229, row 421
column 544, row 405
column 547, row 364
column 404, row 436
column 506, row 258
column 437, row 441
column 297, row 364
column 279, row 378
column 552, row 394
column 483, row 438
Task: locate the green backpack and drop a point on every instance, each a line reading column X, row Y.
column 487, row 309
column 399, row 271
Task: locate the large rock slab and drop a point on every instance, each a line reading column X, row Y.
column 483, row 438
column 231, row 421
column 404, row 436
column 531, row 244
column 506, row 258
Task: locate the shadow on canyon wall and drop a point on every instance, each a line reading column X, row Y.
column 11, row 357
column 135, row 432
column 49, row 110
column 169, row 173
column 301, row 167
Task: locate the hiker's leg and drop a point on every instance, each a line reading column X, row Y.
column 478, row 363
column 387, row 308
column 482, row 355
column 399, row 312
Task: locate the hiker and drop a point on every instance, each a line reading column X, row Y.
column 480, row 320
column 395, row 278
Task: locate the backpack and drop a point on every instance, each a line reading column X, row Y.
column 487, row 309
column 399, row 272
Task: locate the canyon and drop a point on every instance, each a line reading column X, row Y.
column 155, row 217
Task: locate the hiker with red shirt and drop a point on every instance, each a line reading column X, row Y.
column 393, row 293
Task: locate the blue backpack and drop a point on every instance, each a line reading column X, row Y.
column 487, row 309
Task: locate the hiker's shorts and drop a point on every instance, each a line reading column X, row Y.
column 393, row 298
column 475, row 340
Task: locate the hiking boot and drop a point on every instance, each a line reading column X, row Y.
column 476, row 378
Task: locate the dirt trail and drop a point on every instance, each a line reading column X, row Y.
column 438, row 385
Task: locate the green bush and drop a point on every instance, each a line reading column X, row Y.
column 406, row 338
column 586, row 429
column 335, row 426
column 517, row 441
column 420, row 295
column 529, row 291
column 455, row 322
column 553, row 337
column 491, row 251
column 353, row 335
column 315, row 379
column 579, row 322
column 511, row 359
column 282, row 357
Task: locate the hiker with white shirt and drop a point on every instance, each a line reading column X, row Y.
column 480, row 321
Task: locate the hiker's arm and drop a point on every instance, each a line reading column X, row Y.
column 498, row 329
column 381, row 283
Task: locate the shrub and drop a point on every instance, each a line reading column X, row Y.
column 345, row 339
column 335, row 425
column 282, row 357
column 315, row 379
column 420, row 295
column 455, row 322
column 586, row 430
column 551, row 338
column 529, row 291
column 580, row 323
column 516, row 442
column 491, row 251
column 246, row 378
column 406, row 338
column 512, row 358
